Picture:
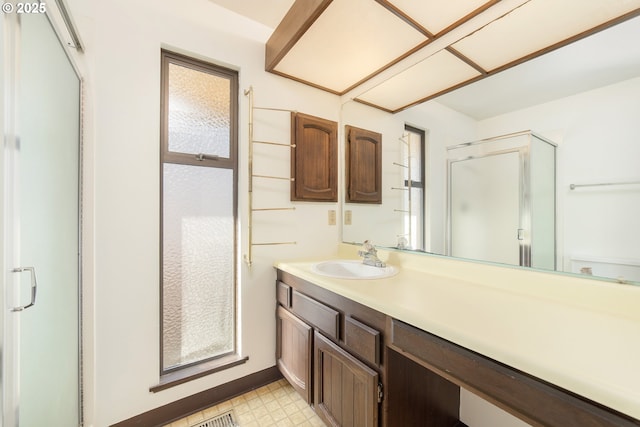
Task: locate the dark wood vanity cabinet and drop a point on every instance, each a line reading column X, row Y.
column 369, row 369
column 314, row 159
column 335, row 346
column 338, row 341
column 363, row 171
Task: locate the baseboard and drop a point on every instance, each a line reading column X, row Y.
column 200, row 401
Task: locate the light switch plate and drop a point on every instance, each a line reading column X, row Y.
column 332, row 217
column 347, row 217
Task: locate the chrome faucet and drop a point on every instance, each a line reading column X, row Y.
column 370, row 255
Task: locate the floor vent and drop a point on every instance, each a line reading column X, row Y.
column 222, row 420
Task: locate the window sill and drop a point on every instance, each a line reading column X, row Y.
column 193, row 372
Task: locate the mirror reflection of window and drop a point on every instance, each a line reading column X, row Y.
column 414, row 197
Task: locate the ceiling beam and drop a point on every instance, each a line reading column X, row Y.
column 299, row 18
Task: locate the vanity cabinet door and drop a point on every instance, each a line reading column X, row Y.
column 293, row 351
column 345, row 390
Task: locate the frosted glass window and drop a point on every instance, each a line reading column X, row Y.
column 199, row 212
column 198, row 254
column 199, row 110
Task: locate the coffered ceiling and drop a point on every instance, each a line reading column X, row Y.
column 393, row 54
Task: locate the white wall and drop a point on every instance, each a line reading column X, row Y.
column 477, row 412
column 123, row 39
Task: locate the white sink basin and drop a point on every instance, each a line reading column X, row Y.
column 352, row 269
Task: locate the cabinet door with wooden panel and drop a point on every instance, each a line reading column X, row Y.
column 363, row 166
column 314, row 160
column 293, row 351
column 345, row 390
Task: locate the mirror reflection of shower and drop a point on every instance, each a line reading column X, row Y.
column 501, row 200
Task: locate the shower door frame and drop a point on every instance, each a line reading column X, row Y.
column 10, row 325
column 524, row 230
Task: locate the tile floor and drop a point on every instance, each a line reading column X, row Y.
column 276, row 404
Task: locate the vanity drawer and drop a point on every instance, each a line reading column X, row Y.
column 319, row 315
column 362, row 340
column 283, row 294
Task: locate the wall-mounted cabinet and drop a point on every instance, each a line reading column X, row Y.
column 363, row 166
column 314, row 159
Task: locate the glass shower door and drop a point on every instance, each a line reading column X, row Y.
column 41, row 210
column 485, row 207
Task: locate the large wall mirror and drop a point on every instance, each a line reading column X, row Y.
column 584, row 98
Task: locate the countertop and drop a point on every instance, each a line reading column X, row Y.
column 580, row 334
